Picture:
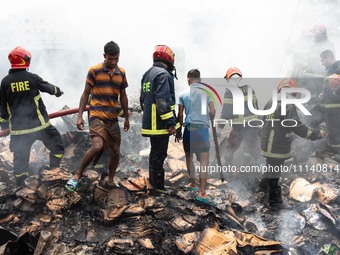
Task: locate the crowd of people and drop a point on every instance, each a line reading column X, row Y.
column 24, row 113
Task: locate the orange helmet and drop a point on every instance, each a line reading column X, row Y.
column 334, row 82
column 231, row 71
column 286, row 83
column 165, row 54
column 19, row 58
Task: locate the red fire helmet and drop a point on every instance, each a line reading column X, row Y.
column 19, row 58
column 165, row 54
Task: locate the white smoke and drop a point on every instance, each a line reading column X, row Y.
column 209, row 35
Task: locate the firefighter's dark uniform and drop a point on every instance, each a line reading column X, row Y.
column 22, row 105
column 330, row 106
column 276, row 142
column 328, row 110
column 240, row 129
column 157, row 100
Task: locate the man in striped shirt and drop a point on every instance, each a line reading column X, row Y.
column 106, row 82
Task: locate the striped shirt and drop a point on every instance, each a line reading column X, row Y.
column 105, row 92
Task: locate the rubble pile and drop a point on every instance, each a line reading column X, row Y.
column 42, row 217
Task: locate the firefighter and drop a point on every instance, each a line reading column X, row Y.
column 320, row 43
column 330, row 102
column 240, row 130
column 23, row 108
column 328, row 107
column 330, row 63
column 313, row 72
column 276, row 141
column 157, row 100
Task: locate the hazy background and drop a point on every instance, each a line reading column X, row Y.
column 67, row 37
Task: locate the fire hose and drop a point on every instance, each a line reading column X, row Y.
column 51, row 116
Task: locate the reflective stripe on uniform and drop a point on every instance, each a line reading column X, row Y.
column 31, row 130
column 270, row 141
column 275, row 155
column 269, row 152
column 158, row 132
column 337, row 146
column 167, row 115
column 309, row 133
column 330, row 105
column 228, row 100
column 153, row 117
column 22, row 174
column 41, row 118
column 58, row 155
column 154, row 132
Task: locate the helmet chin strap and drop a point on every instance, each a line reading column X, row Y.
column 172, row 70
column 175, row 73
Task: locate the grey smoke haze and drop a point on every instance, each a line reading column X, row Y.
column 209, row 35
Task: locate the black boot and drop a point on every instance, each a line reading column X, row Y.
column 263, row 185
column 54, row 161
column 20, row 178
column 275, row 198
column 156, row 179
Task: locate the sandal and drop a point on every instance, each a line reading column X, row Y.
column 207, row 201
column 71, row 185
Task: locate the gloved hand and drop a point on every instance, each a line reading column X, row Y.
column 59, row 92
column 178, row 136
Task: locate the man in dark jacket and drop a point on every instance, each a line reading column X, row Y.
column 22, row 107
column 276, row 140
column 157, row 100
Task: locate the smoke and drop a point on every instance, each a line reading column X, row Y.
column 66, row 38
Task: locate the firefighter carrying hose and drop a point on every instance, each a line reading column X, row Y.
column 276, row 141
column 157, row 100
column 22, row 108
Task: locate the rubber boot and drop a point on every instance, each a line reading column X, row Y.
column 20, row 178
column 54, row 161
column 156, row 179
column 275, row 198
column 263, row 185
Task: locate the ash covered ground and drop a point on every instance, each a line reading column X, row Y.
column 43, row 218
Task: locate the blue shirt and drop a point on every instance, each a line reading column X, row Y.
column 195, row 102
